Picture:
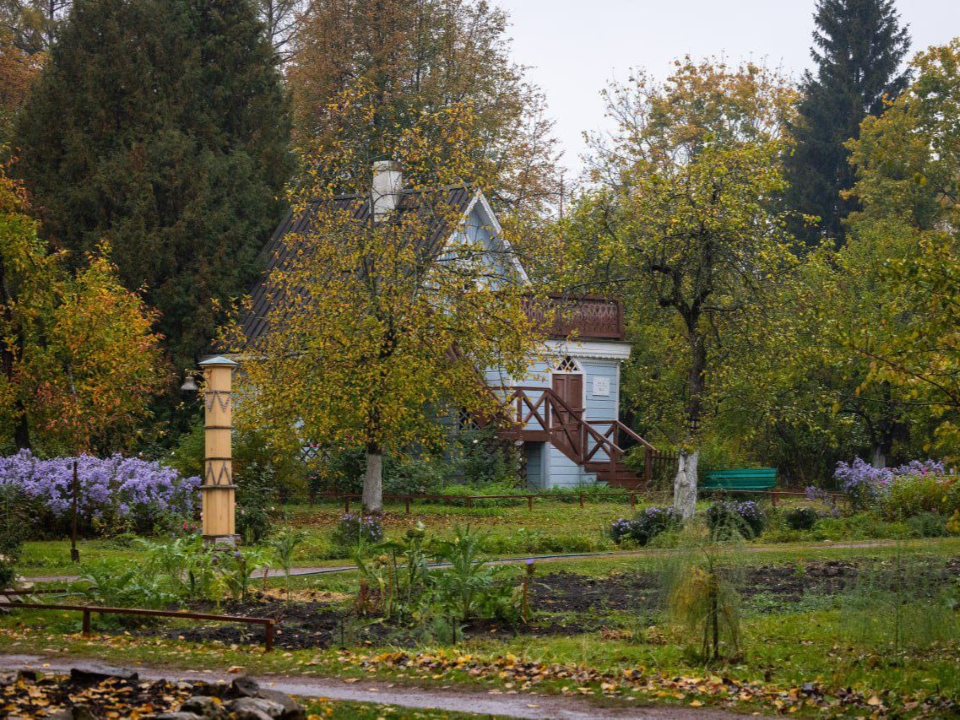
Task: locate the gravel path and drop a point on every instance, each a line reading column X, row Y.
column 531, row 706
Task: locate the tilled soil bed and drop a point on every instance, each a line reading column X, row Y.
column 567, row 604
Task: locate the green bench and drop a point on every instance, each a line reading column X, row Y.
column 740, row 480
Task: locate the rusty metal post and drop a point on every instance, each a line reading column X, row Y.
column 633, row 501
column 268, row 637
column 346, row 504
column 86, row 623
column 406, row 504
column 218, row 489
column 581, row 499
column 530, row 503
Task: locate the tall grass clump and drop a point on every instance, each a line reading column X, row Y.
column 700, row 595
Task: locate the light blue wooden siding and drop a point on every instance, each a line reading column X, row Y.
column 476, row 233
column 558, row 469
column 562, row 472
column 535, row 459
column 599, row 407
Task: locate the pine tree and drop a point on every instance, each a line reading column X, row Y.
column 161, row 125
column 858, row 49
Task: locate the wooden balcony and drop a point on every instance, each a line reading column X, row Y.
column 581, row 317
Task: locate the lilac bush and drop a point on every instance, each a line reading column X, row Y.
column 116, row 489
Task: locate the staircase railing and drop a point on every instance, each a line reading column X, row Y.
column 539, row 409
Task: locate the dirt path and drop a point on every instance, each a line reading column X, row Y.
column 451, row 700
column 613, row 554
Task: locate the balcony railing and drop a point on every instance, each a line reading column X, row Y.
column 584, row 317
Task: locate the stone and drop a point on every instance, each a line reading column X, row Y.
column 244, row 686
column 204, row 706
column 82, row 675
column 291, row 708
column 249, row 708
column 28, row 675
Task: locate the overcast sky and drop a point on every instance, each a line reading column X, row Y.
column 575, row 46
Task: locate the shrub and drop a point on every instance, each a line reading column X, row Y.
column 12, row 521
column 911, row 495
column 928, row 524
column 866, row 486
column 256, row 495
column 863, row 484
column 357, row 530
column 649, row 523
column 114, row 492
column 801, row 518
column 745, row 518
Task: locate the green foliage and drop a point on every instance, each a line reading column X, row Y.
column 899, row 605
column 469, row 587
column 801, row 518
column 700, row 593
column 162, row 125
column 256, row 498
column 284, row 544
column 236, row 566
column 859, row 48
column 912, row 495
column 728, row 519
column 125, row 584
column 648, row 524
column 357, row 531
column 186, row 565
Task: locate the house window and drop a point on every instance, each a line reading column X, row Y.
column 568, row 365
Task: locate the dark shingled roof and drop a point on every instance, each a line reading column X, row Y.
column 276, row 253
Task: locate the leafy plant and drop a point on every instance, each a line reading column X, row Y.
column 801, row 518
column 746, row 518
column 352, row 531
column 284, row 544
column 649, row 523
column 237, row 566
column 115, row 584
column 468, row 582
column 256, row 496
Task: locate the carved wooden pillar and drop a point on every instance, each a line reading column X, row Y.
column 218, row 491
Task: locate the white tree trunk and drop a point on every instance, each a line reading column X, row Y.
column 879, row 459
column 373, row 484
column 685, row 484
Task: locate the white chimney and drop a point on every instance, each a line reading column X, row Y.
column 387, row 184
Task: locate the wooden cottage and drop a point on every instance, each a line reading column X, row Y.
column 564, row 414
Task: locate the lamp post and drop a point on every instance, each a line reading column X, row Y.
column 218, row 491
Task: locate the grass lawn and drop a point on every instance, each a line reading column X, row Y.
column 807, row 634
column 510, row 529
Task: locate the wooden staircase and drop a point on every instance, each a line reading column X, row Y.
column 535, row 414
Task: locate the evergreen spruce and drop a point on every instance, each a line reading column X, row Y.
column 858, row 49
column 162, row 125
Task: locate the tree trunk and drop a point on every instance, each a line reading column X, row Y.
column 878, row 458
column 685, row 484
column 373, row 481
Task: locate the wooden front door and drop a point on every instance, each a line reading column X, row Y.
column 570, row 389
column 566, row 435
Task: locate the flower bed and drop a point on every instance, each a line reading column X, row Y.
column 116, row 492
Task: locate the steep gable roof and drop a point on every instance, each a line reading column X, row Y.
column 460, row 199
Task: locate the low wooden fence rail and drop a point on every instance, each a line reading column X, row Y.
column 268, row 623
column 529, row 497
